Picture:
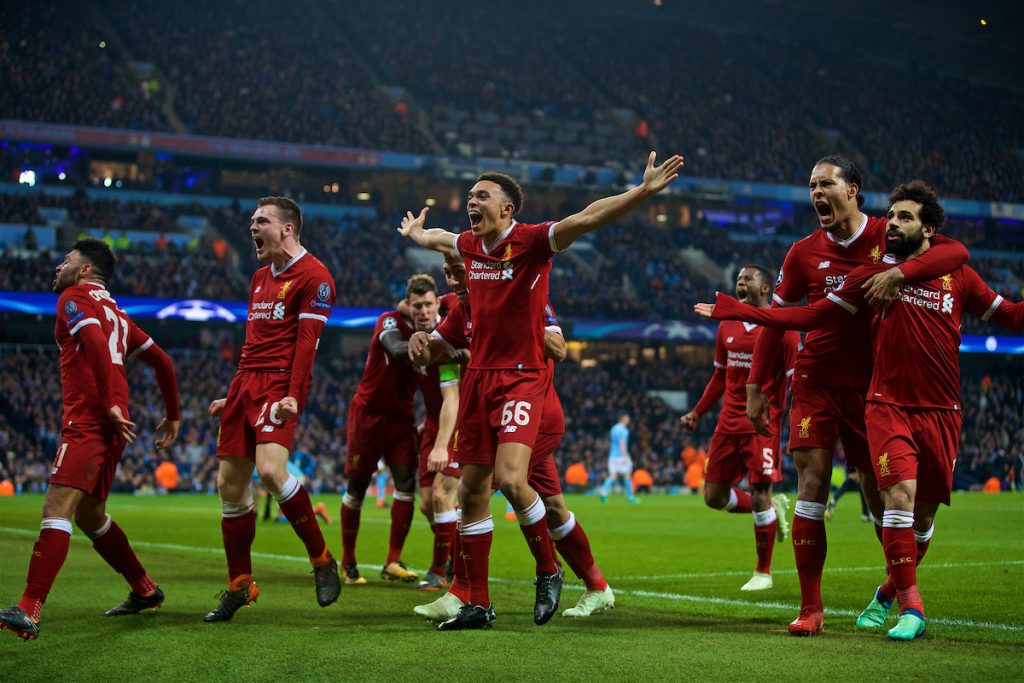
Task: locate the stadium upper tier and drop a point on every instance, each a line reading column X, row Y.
column 531, row 81
column 637, row 269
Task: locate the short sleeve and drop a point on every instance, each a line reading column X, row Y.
column 790, row 285
column 317, row 298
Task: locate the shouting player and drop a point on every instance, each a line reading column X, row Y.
column 95, row 338
column 289, row 303
column 833, row 369
column 913, row 404
column 736, row 449
column 508, row 264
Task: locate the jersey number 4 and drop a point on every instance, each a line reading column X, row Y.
column 118, row 333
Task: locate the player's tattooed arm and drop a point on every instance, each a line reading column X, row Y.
column 437, row 239
column 604, row 211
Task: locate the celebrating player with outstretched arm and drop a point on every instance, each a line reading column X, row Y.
column 736, row 449
column 504, row 388
column 95, row 338
column 289, row 304
column 913, row 407
column 834, row 367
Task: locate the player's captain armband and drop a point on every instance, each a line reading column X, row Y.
column 450, row 373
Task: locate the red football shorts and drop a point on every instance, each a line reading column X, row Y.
column 372, row 436
column 87, row 458
column 733, row 456
column 426, row 445
column 496, row 407
column 542, row 474
column 250, row 415
column 914, row 443
column 821, row 414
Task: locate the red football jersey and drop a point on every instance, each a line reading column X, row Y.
column 278, row 300
column 388, row 384
column 734, row 350
column 77, row 307
column 840, row 354
column 508, row 287
column 916, row 343
column 456, row 332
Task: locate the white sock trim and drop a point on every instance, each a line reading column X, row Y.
column 564, row 530
column 734, row 500
column 809, row 510
column 478, row 528
column 57, row 524
column 406, row 497
column 445, row 517
column 765, row 517
column 351, row 502
column 104, row 528
column 288, row 491
column 924, row 536
column 533, row 513
column 897, row 519
column 229, row 509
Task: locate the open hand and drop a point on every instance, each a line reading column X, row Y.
column 412, row 225
column 125, row 428
column 166, row 432
column 883, row 288
column 657, row 177
column 216, row 407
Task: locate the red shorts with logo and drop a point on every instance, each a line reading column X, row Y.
column 496, row 407
column 372, row 436
column 250, row 415
column 87, row 458
column 914, row 443
column 733, row 456
column 426, row 445
column 821, row 414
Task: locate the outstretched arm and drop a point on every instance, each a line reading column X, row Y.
column 604, row 211
column 163, row 368
column 818, row 314
column 944, row 256
column 437, row 239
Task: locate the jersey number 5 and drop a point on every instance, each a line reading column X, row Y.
column 118, row 333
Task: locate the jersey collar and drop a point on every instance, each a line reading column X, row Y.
column 852, row 238
column 275, row 272
column 501, row 238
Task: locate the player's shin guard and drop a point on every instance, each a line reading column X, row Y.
column 574, row 546
column 444, row 531
column 810, row 546
column 112, row 545
column 533, row 524
column 402, row 510
column 739, row 501
column 765, row 525
column 475, row 552
column 238, row 529
column 48, row 555
column 351, row 511
column 901, row 556
column 298, row 509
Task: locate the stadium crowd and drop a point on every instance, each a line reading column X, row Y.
column 992, row 444
column 344, row 81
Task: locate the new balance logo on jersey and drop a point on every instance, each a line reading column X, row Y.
column 268, row 428
column 279, row 310
column 728, row 340
column 824, row 264
column 510, row 429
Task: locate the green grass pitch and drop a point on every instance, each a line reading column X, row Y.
column 676, row 568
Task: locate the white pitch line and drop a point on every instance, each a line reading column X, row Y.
column 875, row 568
column 679, row 597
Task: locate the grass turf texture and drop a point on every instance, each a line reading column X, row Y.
column 675, row 565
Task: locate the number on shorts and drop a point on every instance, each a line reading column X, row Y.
column 519, row 412
column 769, row 462
column 120, row 330
column 60, row 455
column 274, row 419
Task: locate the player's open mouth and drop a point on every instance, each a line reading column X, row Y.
column 824, row 210
column 258, row 241
column 475, row 217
